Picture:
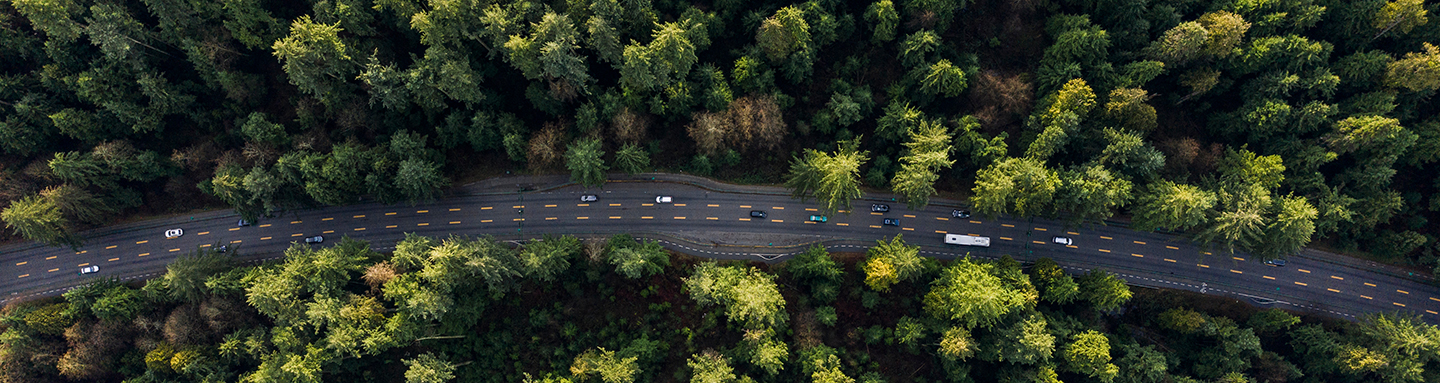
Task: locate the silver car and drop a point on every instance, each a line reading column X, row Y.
column 315, row 239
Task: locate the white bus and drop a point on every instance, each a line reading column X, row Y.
column 967, row 240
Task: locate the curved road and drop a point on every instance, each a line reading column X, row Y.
column 1148, row 259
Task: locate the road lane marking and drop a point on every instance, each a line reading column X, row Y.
column 582, row 217
column 874, row 226
column 1333, row 290
column 363, row 216
column 1366, row 297
column 481, row 208
column 53, row 270
column 1072, row 233
column 455, row 209
column 1169, row 260
column 1138, row 242
column 265, row 238
column 909, row 216
column 647, row 204
column 144, row 254
column 1202, row 265
column 679, row 205
column 1171, row 247
column 205, row 245
column 391, row 226
column 777, row 220
column 975, row 222
column 874, row 213
column 1301, row 283
column 1208, row 253
column 1137, row 255
column 327, row 219
column 582, row 205
column 614, row 204
column 1237, row 271
column 546, row 218
column 83, row 264
column 421, row 211
column 1007, row 238
column 234, row 229
column 1398, row 304
column 24, row 275
column 142, row 242
column 295, row 222
column 21, row 263
column 1433, row 299
column 327, row 232
column 1072, row 246
column 1037, row 242
column 393, row 213
column 202, row 233
column 487, row 220
column 646, row 217
column 1007, row 225
column 679, row 217
column 841, row 224
column 423, row 224
column 778, row 207
column 808, row 222
column 111, row 247
column 614, row 217
column 1335, row 277
column 1403, row 292
column 113, row 259
column 1268, row 277
column 81, row 252
column 359, row 229
column 712, row 205
column 1238, row 259
column 1104, row 251
column 811, row 209
column 513, row 207
column 545, row 206
column 744, row 206
column 1304, row 271
column 175, row 250
column 1370, row 284
column 941, row 219
column 1041, row 229
column 518, row 220
column 907, row 228
column 265, row 225
column 1432, row 312
column 51, row 257
column 1104, row 237
column 296, row 234
column 713, row 218
column 940, row 232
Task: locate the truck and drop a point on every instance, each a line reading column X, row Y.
column 967, row 240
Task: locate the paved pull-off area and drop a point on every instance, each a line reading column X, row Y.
column 713, row 220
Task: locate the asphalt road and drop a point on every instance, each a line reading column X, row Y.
column 1142, row 258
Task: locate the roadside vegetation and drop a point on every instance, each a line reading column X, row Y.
column 623, row 310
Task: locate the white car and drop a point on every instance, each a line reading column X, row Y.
column 89, row 270
column 173, row 233
column 1063, row 240
column 589, row 198
column 662, row 199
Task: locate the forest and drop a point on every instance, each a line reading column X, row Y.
column 624, row 310
column 1252, row 125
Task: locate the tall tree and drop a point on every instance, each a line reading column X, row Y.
column 891, row 262
column 1091, row 192
column 315, row 58
column 583, row 158
column 631, row 159
column 1104, row 291
column 928, row 153
column 784, row 33
column 1171, row 206
column 968, row 293
column 1020, row 186
column 832, row 179
column 38, row 219
column 882, row 16
column 428, row 368
column 1089, row 354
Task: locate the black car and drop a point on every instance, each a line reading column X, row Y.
column 892, row 222
column 879, row 208
column 1275, row 262
column 757, row 214
column 960, row 213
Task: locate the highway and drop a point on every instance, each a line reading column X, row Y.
column 1142, row 258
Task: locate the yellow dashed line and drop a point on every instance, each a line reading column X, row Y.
column 518, row 220
column 1137, row 255
column 235, row 241
column 54, row 270
column 1238, row 259
column 363, row 216
column 24, row 275
column 205, row 245
column 1007, row 225
column 1432, row 312
column 647, row 204
column 1403, row 292
column 811, row 209
column 21, row 263
column 234, row 229
column 973, row 235
column 391, row 226
column 1304, row 271
column 265, row 238
column 1208, row 253
column 778, row 207
column 144, row 254
column 680, row 204
column 841, row 224
column 874, row 226
column 1104, row 251
column 907, row 229
column 713, row 218
column 582, row 217
column 941, row 219
column 744, row 206
column 615, row 217
column 1169, row 260
column 1335, row 277
column 50, row 257
column 975, row 222
column 777, row 220
column 111, row 247
column 874, row 213
column 1104, row 237
column 1038, row 242
column 1301, row 283
column 113, row 259
column 81, row 252
column 646, row 217
column 174, row 250
column 545, row 206
column 202, row 233
column 1172, row 247
column 1072, row 246
column 1237, row 271
column 1366, row 297
column 1433, row 299
column 582, row 205
column 744, row 219
column 1041, row 229
column 83, row 264
column 940, row 232
column 393, row 213
column 1398, row 304
column 327, row 232
column 296, row 234
column 1333, row 290
column 1139, row 243
column 359, row 229
column 295, row 222
column 455, row 209
column 1202, row 265
column 486, row 207
column 423, row 224
column 265, row 225
column 614, row 204
column 1268, row 277
column 808, row 222
column 327, row 219
column 1072, row 233
column 712, row 205
column 909, row 216
column 546, row 218
column 518, row 207
column 421, row 211
column 1007, row 238
column 1370, row 284
column 141, row 242
column 679, row 217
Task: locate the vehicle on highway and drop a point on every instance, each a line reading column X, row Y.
column 1275, row 262
column 892, row 222
column 819, row 218
column 879, row 208
column 967, row 240
column 960, row 213
column 757, row 214
column 173, row 233
column 223, row 248
column 315, row 239
column 1062, row 240
column 89, row 270
column 662, row 199
column 242, row 223
column 589, row 198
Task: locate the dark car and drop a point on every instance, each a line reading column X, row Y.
column 223, row 248
column 315, row 239
column 757, row 214
column 892, row 222
column 1275, row 262
column 879, row 208
column 242, row 223
column 960, row 213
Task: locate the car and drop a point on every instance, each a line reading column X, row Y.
column 662, row 199
column 174, row 233
column 223, row 248
column 242, row 223
column 960, row 213
column 589, row 198
column 892, row 222
column 879, row 207
column 1275, row 262
column 819, row 218
column 1062, row 240
column 89, row 270
column 757, row 214
column 315, row 239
